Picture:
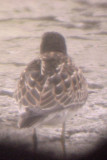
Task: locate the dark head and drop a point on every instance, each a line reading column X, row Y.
column 53, row 42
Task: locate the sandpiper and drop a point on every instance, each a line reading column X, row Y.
column 50, row 84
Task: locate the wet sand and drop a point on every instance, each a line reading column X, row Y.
column 84, row 25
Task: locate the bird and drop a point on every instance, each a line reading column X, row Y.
column 50, row 84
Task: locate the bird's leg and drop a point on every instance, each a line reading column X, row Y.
column 63, row 140
column 35, row 140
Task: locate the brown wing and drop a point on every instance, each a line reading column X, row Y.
column 67, row 88
column 30, row 86
column 39, row 94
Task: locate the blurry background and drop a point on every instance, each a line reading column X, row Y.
column 84, row 25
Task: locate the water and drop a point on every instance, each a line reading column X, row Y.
column 84, row 25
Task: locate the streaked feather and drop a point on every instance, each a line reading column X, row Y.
column 60, row 88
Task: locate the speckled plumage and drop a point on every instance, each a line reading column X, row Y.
column 49, row 84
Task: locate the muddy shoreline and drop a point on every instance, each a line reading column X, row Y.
column 83, row 24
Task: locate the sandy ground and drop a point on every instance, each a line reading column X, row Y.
column 84, row 25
